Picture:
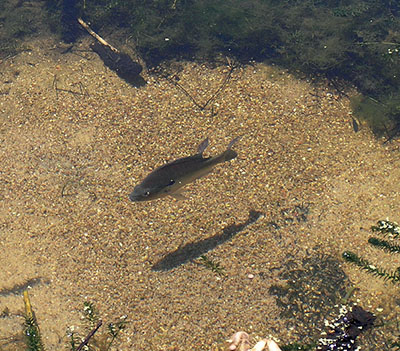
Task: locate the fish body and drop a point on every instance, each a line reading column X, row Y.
column 355, row 125
column 171, row 177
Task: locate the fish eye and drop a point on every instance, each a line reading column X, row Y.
column 171, row 182
column 147, row 193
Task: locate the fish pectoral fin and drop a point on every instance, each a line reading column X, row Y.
column 178, row 196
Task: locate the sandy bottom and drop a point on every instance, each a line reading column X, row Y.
column 74, row 141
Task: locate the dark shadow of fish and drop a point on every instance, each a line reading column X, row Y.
column 18, row 289
column 194, row 250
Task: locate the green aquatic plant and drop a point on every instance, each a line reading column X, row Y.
column 353, row 10
column 372, row 111
column 212, row 265
column 351, row 257
column 114, row 329
column 18, row 21
column 387, row 227
column 90, row 313
column 384, row 244
column 381, row 112
column 32, row 333
column 384, row 227
column 392, row 231
column 73, row 338
column 93, row 340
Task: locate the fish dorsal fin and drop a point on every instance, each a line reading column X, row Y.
column 203, row 145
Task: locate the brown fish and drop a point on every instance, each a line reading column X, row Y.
column 170, row 178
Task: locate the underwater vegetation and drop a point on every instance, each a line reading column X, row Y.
column 354, row 42
column 94, row 340
column 392, row 231
column 357, row 41
column 98, row 342
column 211, row 265
column 341, row 335
column 382, row 113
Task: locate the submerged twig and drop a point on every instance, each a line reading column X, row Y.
column 338, row 89
column 121, row 63
column 32, row 332
column 28, row 306
column 96, row 36
column 203, row 106
column 89, row 336
column 82, row 90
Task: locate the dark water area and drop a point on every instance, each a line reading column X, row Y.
column 355, row 42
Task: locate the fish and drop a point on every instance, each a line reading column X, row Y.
column 169, row 179
column 355, row 125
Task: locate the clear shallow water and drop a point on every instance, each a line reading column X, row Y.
column 69, row 161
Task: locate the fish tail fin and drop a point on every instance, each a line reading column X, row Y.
column 228, row 155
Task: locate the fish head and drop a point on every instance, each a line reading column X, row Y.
column 142, row 192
